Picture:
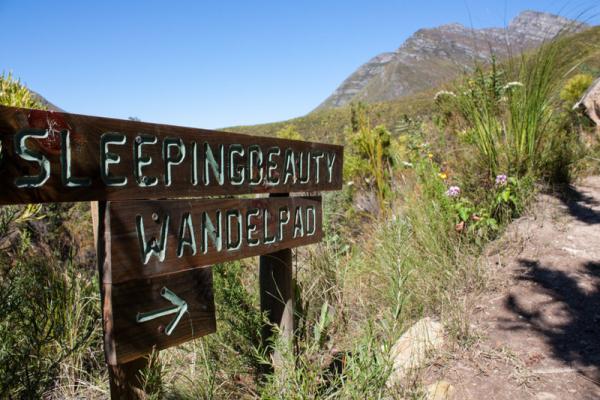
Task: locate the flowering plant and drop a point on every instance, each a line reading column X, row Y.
column 453, row 191
column 501, row 180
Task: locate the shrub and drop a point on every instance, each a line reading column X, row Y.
column 289, row 132
column 574, row 88
column 369, row 156
column 50, row 314
column 14, row 93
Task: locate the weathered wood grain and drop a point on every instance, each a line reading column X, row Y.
column 249, row 164
column 126, row 250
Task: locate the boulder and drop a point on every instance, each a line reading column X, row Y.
column 590, row 102
column 413, row 347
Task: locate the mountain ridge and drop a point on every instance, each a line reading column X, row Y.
column 432, row 55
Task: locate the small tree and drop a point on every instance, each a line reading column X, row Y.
column 369, row 155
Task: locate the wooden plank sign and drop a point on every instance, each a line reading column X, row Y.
column 53, row 157
column 151, row 251
column 152, row 238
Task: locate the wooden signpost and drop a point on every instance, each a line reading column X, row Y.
column 53, row 157
column 154, row 254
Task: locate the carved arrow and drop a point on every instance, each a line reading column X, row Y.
column 179, row 307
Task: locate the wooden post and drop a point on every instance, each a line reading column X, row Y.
column 124, row 379
column 277, row 293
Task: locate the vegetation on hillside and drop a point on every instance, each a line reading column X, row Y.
column 429, row 181
column 330, row 125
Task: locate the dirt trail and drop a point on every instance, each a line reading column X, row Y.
column 540, row 326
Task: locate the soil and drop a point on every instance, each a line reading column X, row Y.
column 538, row 329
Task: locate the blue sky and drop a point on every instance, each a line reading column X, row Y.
column 219, row 63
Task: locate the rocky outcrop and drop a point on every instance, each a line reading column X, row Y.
column 432, row 56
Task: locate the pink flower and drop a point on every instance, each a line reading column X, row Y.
column 453, row 191
column 501, row 180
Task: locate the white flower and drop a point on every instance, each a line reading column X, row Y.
column 511, row 85
column 443, row 93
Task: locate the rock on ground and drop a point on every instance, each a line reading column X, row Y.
column 413, row 347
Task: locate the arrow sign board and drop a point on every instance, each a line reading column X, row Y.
column 156, row 313
column 53, row 157
column 154, row 292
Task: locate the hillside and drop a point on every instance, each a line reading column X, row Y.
column 432, row 56
column 329, row 124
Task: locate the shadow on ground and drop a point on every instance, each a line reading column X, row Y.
column 580, row 205
column 573, row 335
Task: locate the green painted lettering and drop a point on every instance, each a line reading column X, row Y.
column 65, row 164
column 298, row 223
column 186, row 239
column 231, row 245
column 209, row 231
column 250, row 227
column 311, row 221
column 266, row 238
column 272, row 179
column 255, row 161
column 317, row 156
column 140, row 161
column 26, row 154
column 152, row 247
column 170, row 160
column 194, row 163
column 282, row 221
column 218, row 169
column 290, row 167
column 306, row 178
column 236, row 175
column 330, row 161
column 107, row 158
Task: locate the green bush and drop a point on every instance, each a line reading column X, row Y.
column 574, row 88
column 289, row 132
column 50, row 314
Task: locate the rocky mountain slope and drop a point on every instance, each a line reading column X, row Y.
column 431, row 56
